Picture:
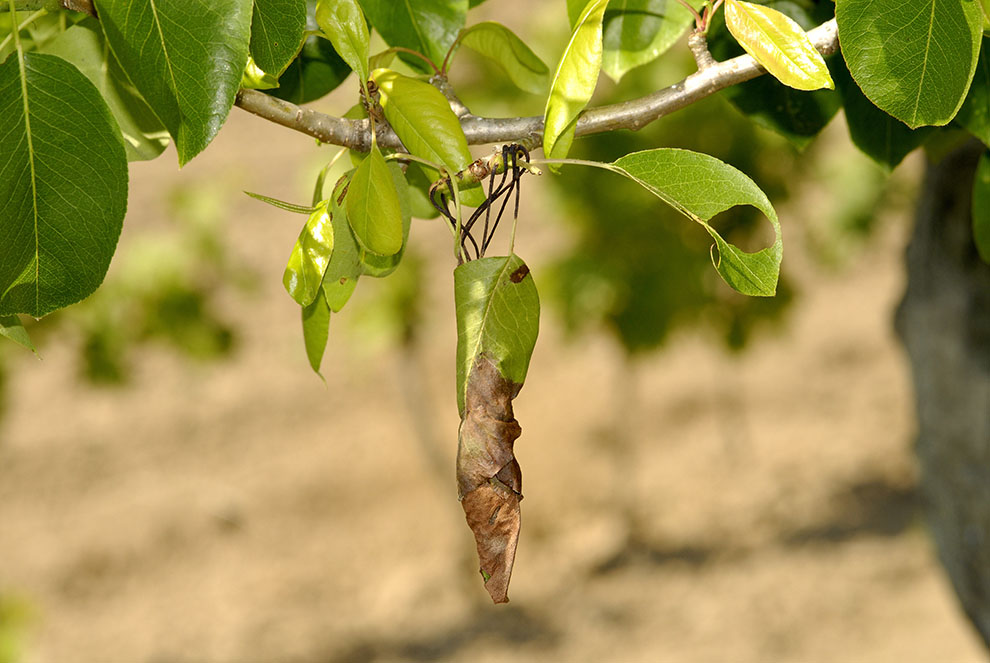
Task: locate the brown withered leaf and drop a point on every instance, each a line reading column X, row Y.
column 489, row 481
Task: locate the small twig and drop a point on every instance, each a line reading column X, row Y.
column 698, row 21
column 402, row 49
column 698, row 43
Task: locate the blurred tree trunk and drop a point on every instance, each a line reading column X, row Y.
column 944, row 321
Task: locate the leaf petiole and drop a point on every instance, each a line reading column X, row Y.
column 17, row 28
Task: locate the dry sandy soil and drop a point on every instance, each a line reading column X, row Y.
column 759, row 508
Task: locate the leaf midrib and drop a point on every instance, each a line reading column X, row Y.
column 924, row 65
column 168, row 58
column 484, row 320
column 34, row 176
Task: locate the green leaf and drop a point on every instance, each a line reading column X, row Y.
column 498, row 315
column 63, row 185
column 83, row 44
column 574, row 81
column 636, row 32
column 345, row 263
column 316, row 331
column 779, row 44
column 378, row 266
column 501, row 45
column 315, row 72
column 914, row 59
column 256, row 78
column 277, row 28
column 426, row 26
column 309, row 258
column 11, row 327
column 186, row 59
column 974, row 115
column 282, row 205
column 423, row 120
column 699, row 187
column 342, row 21
column 981, row 208
column 373, row 206
column 883, row 138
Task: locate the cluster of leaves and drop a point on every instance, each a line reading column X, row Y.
column 82, row 95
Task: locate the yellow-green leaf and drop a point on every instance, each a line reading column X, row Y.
column 574, row 81
column 342, row 21
column 310, row 257
column 502, row 46
column 373, row 206
column 779, row 44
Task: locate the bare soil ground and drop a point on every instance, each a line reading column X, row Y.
column 758, row 508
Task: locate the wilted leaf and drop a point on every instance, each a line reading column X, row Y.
column 502, row 46
column 373, row 206
column 779, row 44
column 498, row 311
column 574, row 81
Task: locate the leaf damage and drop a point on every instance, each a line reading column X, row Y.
column 489, row 480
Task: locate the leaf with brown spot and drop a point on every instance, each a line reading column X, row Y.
column 498, row 311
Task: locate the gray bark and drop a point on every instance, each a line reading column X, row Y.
column 944, row 321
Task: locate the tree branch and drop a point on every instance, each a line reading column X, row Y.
column 634, row 114
column 53, row 5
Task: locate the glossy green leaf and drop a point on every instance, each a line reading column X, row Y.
column 310, row 257
column 981, row 208
column 345, row 263
column 883, row 138
column 63, row 185
column 502, row 46
column 83, row 44
column 426, row 26
column 700, row 186
column 423, row 120
column 277, row 28
column 974, row 115
column 380, row 266
column 316, row 331
column 498, row 315
column 185, row 57
column 574, row 81
column 373, row 206
column 914, row 59
column 11, row 327
column 636, row 32
column 342, row 21
column 315, row 72
column 779, row 44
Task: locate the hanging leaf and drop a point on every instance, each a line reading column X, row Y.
column 981, row 208
column 380, row 266
column 344, row 269
column 342, row 21
column 779, row 44
column 883, row 138
column 186, row 59
column 498, row 320
column 316, row 331
column 914, row 60
column 11, row 327
column 83, row 44
column 425, row 26
column 574, row 81
column 373, row 206
column 499, row 44
column 974, row 115
column 636, row 32
column 309, row 258
column 277, row 28
column 256, row 78
column 63, row 188
column 699, row 187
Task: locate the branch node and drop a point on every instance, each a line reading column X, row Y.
column 698, row 43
